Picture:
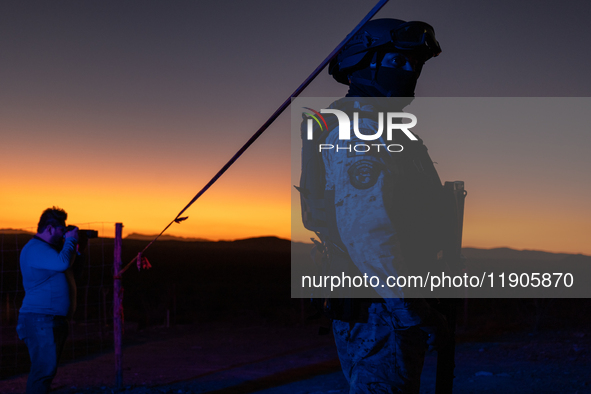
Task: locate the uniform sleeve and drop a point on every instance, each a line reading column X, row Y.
column 360, row 180
column 44, row 257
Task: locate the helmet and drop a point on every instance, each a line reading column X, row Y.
column 384, row 35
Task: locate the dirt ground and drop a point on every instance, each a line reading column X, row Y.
column 251, row 356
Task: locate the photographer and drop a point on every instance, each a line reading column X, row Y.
column 42, row 322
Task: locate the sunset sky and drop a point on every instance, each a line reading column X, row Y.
column 121, row 111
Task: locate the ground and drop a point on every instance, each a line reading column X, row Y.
column 250, row 355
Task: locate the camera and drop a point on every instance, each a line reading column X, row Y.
column 84, row 233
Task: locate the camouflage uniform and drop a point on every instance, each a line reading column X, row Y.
column 385, row 354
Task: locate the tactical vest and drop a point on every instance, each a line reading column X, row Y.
column 416, row 210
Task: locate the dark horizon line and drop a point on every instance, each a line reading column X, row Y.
column 167, row 237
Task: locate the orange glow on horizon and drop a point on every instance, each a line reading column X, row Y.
column 239, row 206
column 222, row 216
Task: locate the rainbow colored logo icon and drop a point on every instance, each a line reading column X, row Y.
column 315, row 115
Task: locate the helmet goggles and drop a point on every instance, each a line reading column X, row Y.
column 416, row 37
column 380, row 36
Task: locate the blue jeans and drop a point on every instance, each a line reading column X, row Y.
column 44, row 336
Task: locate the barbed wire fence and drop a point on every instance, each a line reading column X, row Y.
column 91, row 328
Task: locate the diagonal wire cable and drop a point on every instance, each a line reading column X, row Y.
column 264, row 127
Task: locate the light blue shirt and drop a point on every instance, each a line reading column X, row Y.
column 44, row 279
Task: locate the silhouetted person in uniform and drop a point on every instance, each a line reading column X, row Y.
column 382, row 341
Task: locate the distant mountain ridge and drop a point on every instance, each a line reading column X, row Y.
column 15, row 231
column 165, row 237
column 492, row 254
column 247, row 244
column 275, row 242
column 508, row 253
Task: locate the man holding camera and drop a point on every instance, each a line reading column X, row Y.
column 42, row 322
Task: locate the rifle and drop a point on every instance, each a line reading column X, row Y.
column 452, row 253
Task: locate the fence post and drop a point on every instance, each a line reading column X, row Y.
column 117, row 308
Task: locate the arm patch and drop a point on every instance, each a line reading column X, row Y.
column 363, row 174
